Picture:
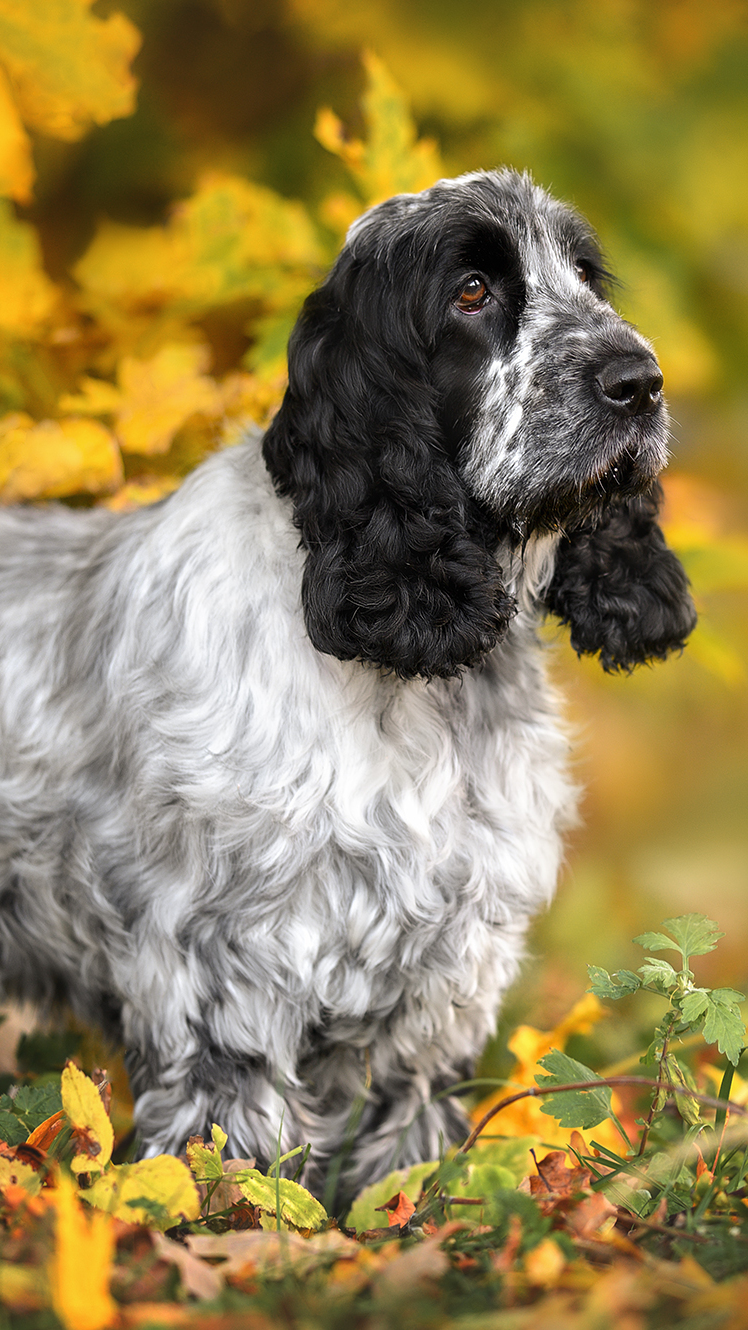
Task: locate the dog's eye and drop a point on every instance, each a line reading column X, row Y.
column 473, row 295
column 582, row 270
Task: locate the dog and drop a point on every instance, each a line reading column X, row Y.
column 282, row 780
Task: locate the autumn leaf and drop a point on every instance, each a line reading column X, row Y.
column 93, row 1138
column 398, row 1209
column 43, row 1135
column 16, row 164
column 298, row 1207
column 528, row 1046
column 28, row 294
column 231, row 240
column 15, row 1172
column 160, row 394
column 79, row 1269
column 53, row 458
column 158, row 1192
column 68, row 69
column 392, row 160
column 364, row 1212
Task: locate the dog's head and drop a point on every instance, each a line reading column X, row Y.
column 460, row 379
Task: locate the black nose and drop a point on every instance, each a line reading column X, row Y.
column 631, row 384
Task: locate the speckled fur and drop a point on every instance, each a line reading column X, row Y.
column 287, row 881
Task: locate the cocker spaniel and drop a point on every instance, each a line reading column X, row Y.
column 281, row 777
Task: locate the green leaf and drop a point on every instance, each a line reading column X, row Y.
column 694, row 1005
column 363, row 1213
column 12, row 1130
column 659, row 973
column 574, row 1108
column 204, row 1160
column 299, row 1209
column 617, row 985
column 656, row 942
column 158, row 1192
column 30, row 1106
column 219, row 1137
column 692, row 935
column 724, row 1026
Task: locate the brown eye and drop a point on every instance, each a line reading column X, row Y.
column 582, row 271
column 473, row 295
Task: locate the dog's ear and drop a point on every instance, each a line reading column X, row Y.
column 399, row 569
column 621, row 590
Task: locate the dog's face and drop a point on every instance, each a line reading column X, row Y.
column 459, row 380
column 549, row 402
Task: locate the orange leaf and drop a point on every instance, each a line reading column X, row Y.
column 43, row 1135
column 399, row 1208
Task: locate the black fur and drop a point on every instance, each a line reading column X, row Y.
column 621, row 590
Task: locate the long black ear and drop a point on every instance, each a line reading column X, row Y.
column 399, row 568
column 623, row 592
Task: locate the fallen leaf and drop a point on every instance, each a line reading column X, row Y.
column 43, row 1135
column 93, row 1137
column 399, row 1208
column 199, row 1279
column 158, row 1192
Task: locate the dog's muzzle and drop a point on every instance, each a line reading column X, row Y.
column 630, row 385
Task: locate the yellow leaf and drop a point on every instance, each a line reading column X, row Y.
column 68, row 69
column 92, row 1130
column 28, row 294
column 96, row 397
column 160, row 394
column 80, row 1266
column 392, row 160
column 529, row 1045
column 14, row 1172
column 55, row 457
column 232, row 240
column 16, row 164
column 158, row 1192
column 545, row 1264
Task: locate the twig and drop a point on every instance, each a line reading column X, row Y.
column 613, row 1082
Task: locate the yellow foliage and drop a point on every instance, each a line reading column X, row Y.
column 68, row 69
column 80, row 1266
column 528, row 1046
column 392, row 160
column 28, row 295
column 16, row 165
column 15, row 1173
column 54, row 458
column 160, row 394
column 92, row 1130
column 232, row 240
column 165, row 1182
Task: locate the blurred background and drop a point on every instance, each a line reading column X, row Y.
column 167, row 203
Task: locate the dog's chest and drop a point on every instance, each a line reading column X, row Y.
column 423, row 825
